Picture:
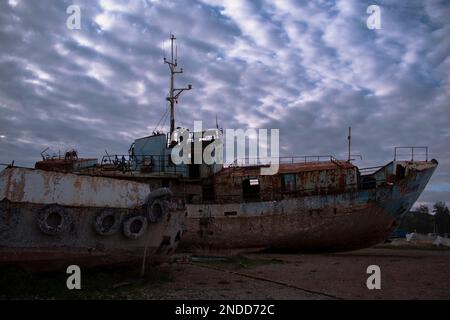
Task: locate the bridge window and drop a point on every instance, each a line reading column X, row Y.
column 400, row 172
column 251, row 189
column 288, row 182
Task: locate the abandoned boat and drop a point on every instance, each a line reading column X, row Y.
column 311, row 204
column 308, row 206
column 50, row 220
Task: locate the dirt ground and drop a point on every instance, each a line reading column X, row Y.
column 405, row 274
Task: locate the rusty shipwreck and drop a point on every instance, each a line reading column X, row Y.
column 313, row 203
column 49, row 220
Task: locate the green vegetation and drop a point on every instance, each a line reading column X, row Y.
column 422, row 221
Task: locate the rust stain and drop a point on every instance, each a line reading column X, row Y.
column 8, row 190
column 77, row 184
column 288, row 168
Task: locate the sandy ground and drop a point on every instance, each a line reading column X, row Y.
column 405, row 274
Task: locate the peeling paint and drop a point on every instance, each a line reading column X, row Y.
column 37, row 186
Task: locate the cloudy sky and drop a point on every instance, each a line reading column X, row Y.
column 309, row 68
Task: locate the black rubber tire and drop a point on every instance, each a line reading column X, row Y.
column 99, row 222
column 127, row 227
column 157, row 204
column 157, row 210
column 63, row 227
column 164, row 193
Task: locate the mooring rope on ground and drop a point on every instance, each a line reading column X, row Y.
column 268, row 280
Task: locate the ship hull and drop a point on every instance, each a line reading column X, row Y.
column 338, row 222
column 325, row 229
column 51, row 220
column 22, row 242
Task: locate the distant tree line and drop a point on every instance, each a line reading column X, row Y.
column 423, row 221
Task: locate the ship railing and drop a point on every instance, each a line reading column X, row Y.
column 306, row 159
column 276, row 195
column 256, row 161
column 8, row 165
column 410, row 153
column 152, row 164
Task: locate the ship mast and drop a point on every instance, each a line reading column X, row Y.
column 174, row 93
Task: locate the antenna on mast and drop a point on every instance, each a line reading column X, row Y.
column 164, row 50
column 173, row 92
column 349, row 138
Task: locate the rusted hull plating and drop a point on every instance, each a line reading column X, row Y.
column 338, row 222
column 50, row 220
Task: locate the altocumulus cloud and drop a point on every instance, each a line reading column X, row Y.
column 309, row 68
